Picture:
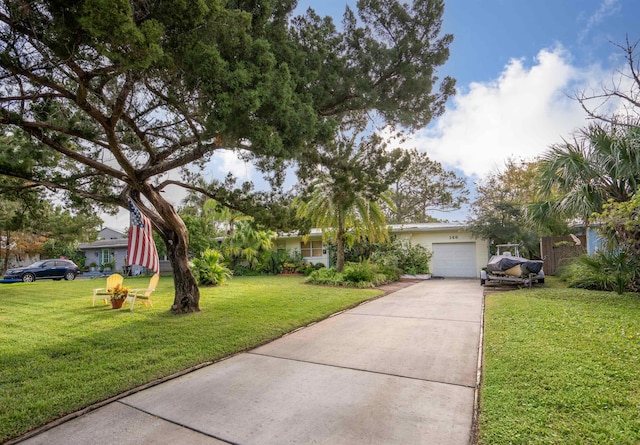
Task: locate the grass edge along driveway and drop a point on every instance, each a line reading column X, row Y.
column 59, row 354
column 561, row 366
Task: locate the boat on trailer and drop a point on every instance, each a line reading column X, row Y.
column 508, row 266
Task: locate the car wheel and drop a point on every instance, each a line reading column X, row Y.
column 28, row 278
column 69, row 276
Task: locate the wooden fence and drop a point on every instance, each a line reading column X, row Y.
column 557, row 249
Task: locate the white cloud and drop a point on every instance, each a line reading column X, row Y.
column 518, row 115
column 228, row 161
column 606, row 9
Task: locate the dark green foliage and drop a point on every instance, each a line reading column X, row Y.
column 499, row 213
column 209, row 269
column 272, row 262
column 345, row 186
column 402, row 255
column 203, row 234
column 245, row 271
column 412, row 258
column 387, row 263
column 358, row 251
column 122, row 95
column 357, row 272
column 620, row 224
column 601, row 163
column 308, row 269
column 396, row 257
column 616, row 271
column 362, row 275
column 53, row 249
column 385, row 60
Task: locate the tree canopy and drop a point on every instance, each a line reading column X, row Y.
column 424, row 186
column 346, row 188
column 499, row 210
column 578, row 177
column 117, row 97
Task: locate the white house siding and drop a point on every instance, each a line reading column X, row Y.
column 292, row 244
column 472, row 254
column 429, row 235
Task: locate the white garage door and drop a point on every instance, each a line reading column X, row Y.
column 454, row 260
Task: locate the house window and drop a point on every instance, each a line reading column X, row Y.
column 311, row 249
column 105, row 257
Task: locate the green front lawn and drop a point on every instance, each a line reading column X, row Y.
column 59, row 354
column 561, row 366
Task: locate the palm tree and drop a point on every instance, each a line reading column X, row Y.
column 247, row 243
column 602, row 163
column 347, row 189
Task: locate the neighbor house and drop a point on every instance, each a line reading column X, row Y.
column 109, row 253
column 456, row 253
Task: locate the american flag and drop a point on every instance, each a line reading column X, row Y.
column 141, row 249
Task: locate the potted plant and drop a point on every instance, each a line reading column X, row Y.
column 118, row 295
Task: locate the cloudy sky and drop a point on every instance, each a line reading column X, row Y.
column 518, row 63
column 518, row 66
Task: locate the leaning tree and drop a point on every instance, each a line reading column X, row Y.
column 123, row 95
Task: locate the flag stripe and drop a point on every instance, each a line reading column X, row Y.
column 141, row 248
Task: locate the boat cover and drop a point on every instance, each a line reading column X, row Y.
column 501, row 263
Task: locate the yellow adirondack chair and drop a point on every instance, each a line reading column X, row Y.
column 144, row 295
column 102, row 293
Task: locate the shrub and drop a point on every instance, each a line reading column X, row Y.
column 360, row 275
column 607, row 270
column 412, row 258
column 245, row 271
column 387, row 263
column 326, row 276
column 272, row 262
column 208, row 269
column 358, row 272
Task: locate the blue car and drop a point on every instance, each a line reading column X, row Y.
column 46, row 269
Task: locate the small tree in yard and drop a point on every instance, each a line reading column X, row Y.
column 117, row 97
column 620, row 223
column 344, row 198
column 498, row 213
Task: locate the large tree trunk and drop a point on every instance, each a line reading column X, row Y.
column 340, row 249
column 187, row 296
column 176, row 238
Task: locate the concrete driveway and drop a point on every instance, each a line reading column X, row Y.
column 401, row 369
